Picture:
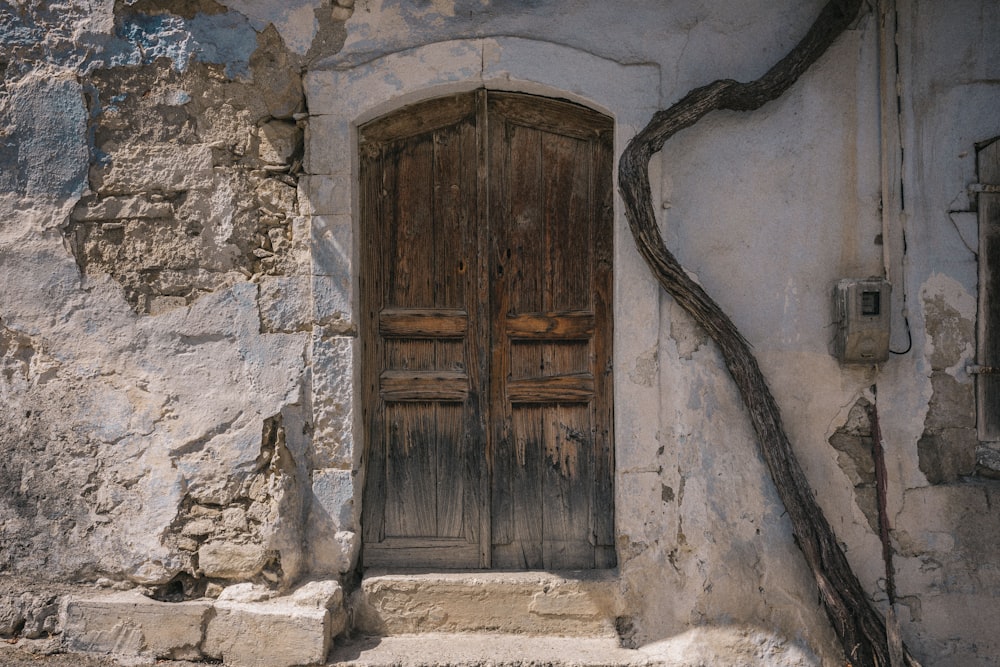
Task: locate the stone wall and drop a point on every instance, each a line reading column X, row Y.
column 177, row 335
column 156, row 332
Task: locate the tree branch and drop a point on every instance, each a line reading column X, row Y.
column 858, row 624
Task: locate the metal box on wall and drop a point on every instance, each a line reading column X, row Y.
column 861, row 310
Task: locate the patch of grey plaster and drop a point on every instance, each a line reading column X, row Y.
column 946, row 567
column 225, row 39
column 966, row 223
column 853, row 442
column 685, row 332
column 645, row 368
column 44, row 125
column 153, row 424
column 948, row 445
column 294, row 20
column 988, row 459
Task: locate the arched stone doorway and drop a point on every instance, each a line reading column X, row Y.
column 343, row 97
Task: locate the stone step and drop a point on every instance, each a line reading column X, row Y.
column 568, row 604
column 494, row 650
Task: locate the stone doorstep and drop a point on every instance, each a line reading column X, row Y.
column 279, row 632
column 495, row 650
column 535, row 618
column 570, row 604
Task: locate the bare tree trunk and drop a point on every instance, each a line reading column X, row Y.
column 857, row 622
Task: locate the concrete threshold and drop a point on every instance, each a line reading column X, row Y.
column 493, row 650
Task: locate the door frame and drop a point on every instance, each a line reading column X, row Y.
column 349, row 94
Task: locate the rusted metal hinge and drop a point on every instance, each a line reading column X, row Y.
column 985, row 188
column 976, row 369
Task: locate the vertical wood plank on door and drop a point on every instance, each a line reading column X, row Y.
column 481, row 455
column 523, row 229
column 450, row 466
column 566, row 171
column 376, row 174
column 602, row 212
column 567, row 487
column 525, row 549
column 454, row 159
column 411, row 261
column 528, row 244
column 411, row 507
column 498, row 213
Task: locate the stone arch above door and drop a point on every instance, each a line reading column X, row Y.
column 340, row 100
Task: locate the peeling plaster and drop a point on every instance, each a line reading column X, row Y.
column 125, row 412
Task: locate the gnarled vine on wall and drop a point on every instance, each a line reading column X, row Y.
column 858, row 624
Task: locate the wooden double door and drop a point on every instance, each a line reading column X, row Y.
column 486, row 277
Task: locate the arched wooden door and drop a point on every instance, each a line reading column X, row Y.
column 486, row 223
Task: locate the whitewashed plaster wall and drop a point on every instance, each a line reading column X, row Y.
column 709, row 580
column 119, row 418
column 948, row 577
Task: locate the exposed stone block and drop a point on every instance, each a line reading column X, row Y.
column 285, row 304
column 164, row 304
column 29, row 615
column 247, row 629
column 231, row 561
column 948, row 454
column 245, row 592
column 332, row 552
column 132, row 624
column 332, row 247
column 277, row 75
column 329, row 194
column 278, row 141
column 953, row 403
column 326, row 594
column 332, row 307
column 333, row 491
column 276, row 196
column 279, row 633
column 988, row 459
column 110, row 208
column 158, row 168
column 198, row 528
column 336, row 131
column 333, row 401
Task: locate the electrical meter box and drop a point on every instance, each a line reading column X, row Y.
column 861, row 309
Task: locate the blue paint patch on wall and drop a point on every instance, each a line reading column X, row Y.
column 47, row 34
column 45, row 149
column 223, row 39
column 154, row 37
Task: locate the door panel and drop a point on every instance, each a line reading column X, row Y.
column 422, row 498
column 486, row 329
column 543, row 213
